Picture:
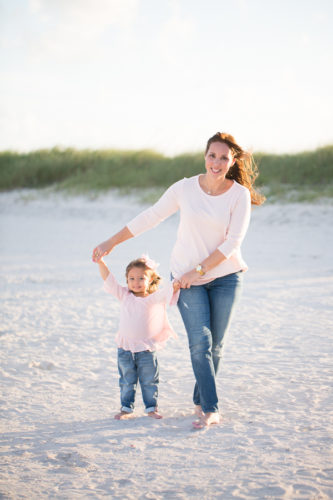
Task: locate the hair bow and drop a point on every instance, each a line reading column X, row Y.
column 149, row 262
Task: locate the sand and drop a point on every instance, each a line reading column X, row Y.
column 59, row 380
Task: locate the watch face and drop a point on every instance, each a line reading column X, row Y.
column 199, row 269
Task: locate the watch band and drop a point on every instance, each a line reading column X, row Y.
column 199, row 270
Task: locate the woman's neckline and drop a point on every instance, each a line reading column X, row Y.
column 214, row 195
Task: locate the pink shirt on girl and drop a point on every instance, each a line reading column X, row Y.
column 144, row 325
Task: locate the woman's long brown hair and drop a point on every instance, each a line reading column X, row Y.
column 244, row 170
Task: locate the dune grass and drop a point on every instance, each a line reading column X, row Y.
column 309, row 173
column 309, row 168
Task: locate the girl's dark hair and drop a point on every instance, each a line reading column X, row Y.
column 244, row 170
column 154, row 276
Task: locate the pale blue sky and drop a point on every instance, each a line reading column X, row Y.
column 166, row 74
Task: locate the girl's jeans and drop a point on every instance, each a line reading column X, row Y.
column 206, row 311
column 134, row 366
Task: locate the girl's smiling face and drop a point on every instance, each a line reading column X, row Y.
column 138, row 281
column 218, row 160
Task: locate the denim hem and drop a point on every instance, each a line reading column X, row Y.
column 215, row 409
column 126, row 409
column 151, row 408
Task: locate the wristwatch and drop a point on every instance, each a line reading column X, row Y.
column 199, row 270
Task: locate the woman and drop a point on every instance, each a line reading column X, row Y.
column 206, row 259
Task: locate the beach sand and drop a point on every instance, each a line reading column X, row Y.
column 59, row 379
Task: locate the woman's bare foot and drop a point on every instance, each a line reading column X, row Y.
column 198, row 411
column 123, row 415
column 206, row 420
column 155, row 414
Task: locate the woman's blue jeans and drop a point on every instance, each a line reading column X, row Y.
column 134, row 366
column 206, row 311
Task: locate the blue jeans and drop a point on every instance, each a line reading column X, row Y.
column 206, row 311
column 134, row 366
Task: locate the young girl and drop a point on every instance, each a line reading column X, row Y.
column 143, row 329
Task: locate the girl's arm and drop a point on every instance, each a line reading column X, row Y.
column 105, row 248
column 110, row 283
column 103, row 269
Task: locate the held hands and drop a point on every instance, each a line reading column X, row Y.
column 176, row 285
column 188, row 279
column 104, row 248
column 101, row 250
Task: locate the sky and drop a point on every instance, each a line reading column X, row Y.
column 166, row 74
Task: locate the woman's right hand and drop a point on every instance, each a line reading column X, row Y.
column 101, row 250
column 104, row 248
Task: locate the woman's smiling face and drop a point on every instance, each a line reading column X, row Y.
column 218, row 160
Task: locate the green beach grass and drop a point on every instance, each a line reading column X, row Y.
column 304, row 176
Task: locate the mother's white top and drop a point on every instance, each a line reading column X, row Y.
column 206, row 223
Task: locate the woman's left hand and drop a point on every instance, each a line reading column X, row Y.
column 188, row 279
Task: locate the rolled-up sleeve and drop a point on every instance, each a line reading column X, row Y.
column 167, row 205
column 239, row 223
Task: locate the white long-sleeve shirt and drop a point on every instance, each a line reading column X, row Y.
column 206, row 223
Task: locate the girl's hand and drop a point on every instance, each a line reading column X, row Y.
column 188, row 278
column 176, row 285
